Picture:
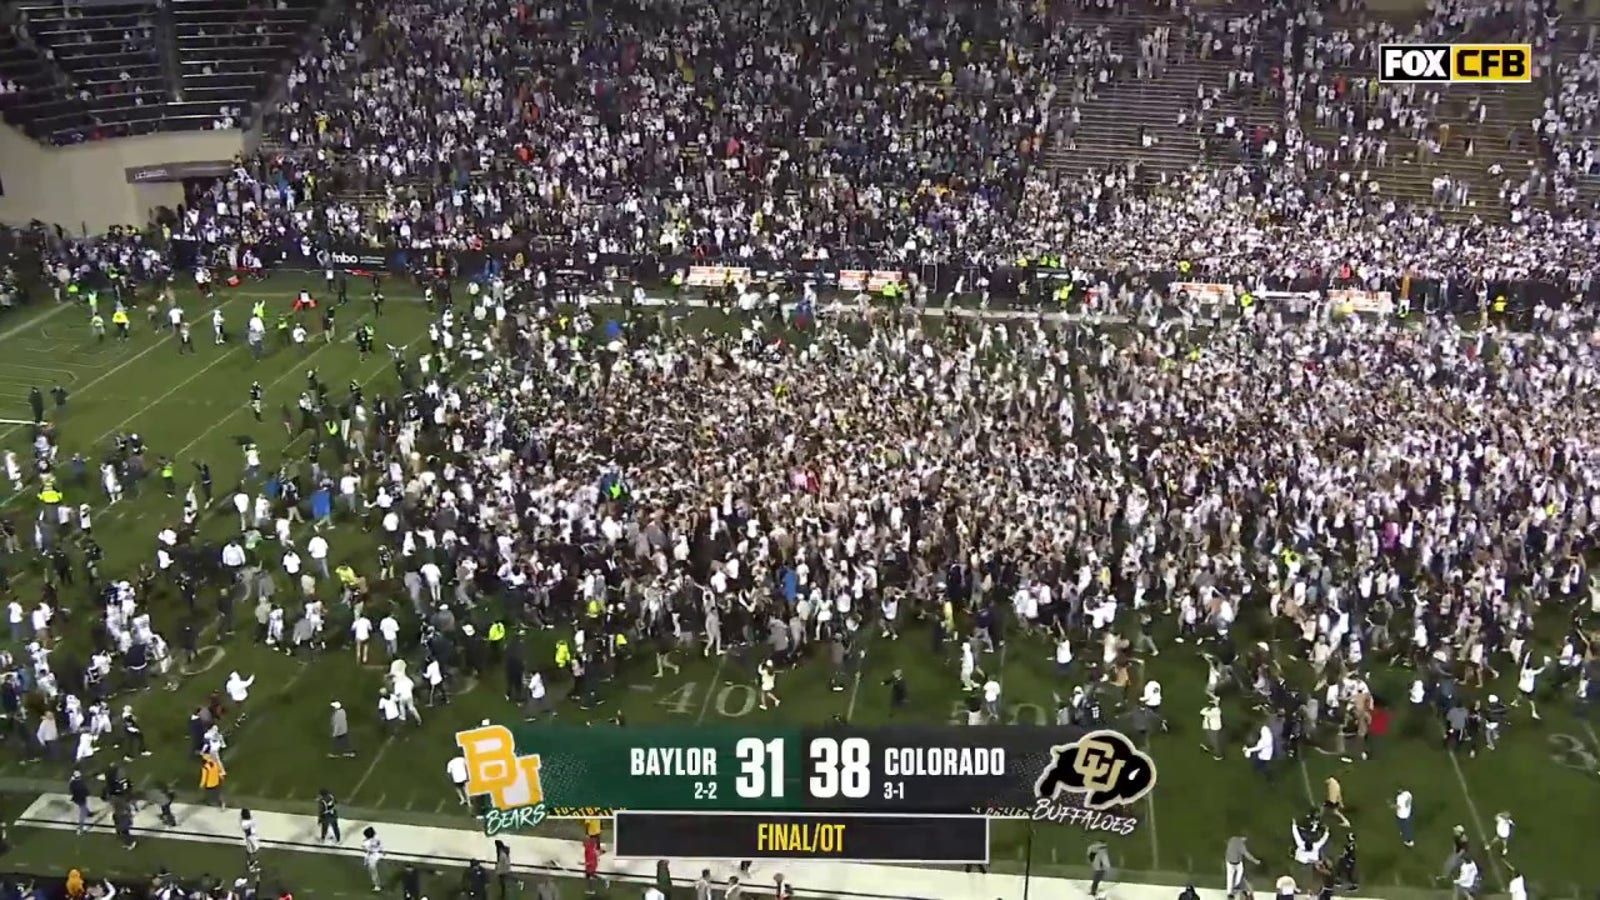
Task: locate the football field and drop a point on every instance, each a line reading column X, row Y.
column 193, row 408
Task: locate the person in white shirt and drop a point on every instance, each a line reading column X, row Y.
column 969, row 666
column 361, row 632
column 769, row 684
column 1211, row 727
column 389, row 630
column 372, row 856
column 456, row 768
column 1503, row 827
column 291, row 563
column 239, row 688
column 317, row 547
column 1517, row 887
column 991, row 700
column 1260, row 753
column 86, row 746
column 538, row 705
column 1310, row 836
column 1528, row 682
column 1402, row 816
column 1466, row 879
column 252, row 842
column 433, row 676
column 241, row 502
column 389, row 711
column 404, row 692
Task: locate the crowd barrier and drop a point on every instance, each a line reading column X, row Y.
column 1029, row 283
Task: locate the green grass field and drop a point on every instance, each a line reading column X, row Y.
column 194, row 408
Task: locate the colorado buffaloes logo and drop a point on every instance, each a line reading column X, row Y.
column 1103, row 766
column 511, row 782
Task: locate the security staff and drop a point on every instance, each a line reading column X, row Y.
column 328, row 816
column 169, row 479
column 211, row 776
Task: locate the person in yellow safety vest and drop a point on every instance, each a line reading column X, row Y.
column 1246, row 300
column 1500, row 304
column 1183, row 267
column 563, row 654
column 211, row 777
column 1064, row 294
column 259, row 310
column 497, row 641
column 594, row 609
column 49, row 495
column 120, row 320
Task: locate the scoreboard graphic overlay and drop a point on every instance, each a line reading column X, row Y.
column 896, row 794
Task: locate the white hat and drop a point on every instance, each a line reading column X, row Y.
column 335, row 704
column 1494, row 698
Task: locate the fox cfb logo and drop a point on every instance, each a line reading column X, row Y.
column 1446, row 63
column 1103, row 767
column 511, row 782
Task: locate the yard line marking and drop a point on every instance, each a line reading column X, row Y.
column 440, row 807
column 36, row 321
column 371, row 767
column 1477, row 818
column 855, row 688
column 137, row 413
column 159, row 342
column 1305, row 779
column 228, row 416
column 711, row 691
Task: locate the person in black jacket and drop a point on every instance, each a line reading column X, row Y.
column 410, row 883
column 78, row 790
column 327, row 816
column 475, row 881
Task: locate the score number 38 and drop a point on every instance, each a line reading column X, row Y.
column 839, row 768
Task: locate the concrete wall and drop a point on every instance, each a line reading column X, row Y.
column 85, row 186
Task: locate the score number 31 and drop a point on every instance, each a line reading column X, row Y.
column 838, row 768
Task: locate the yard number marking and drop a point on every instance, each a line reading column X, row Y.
column 1575, row 753
column 732, row 701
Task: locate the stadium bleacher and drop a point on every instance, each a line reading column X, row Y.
column 229, row 50
column 88, row 71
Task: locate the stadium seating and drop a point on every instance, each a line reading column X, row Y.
column 110, row 69
column 229, row 50
column 27, row 79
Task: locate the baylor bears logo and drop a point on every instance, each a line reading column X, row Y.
column 1103, row 766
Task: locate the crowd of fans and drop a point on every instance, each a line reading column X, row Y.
column 904, row 134
column 1379, row 491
